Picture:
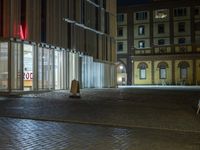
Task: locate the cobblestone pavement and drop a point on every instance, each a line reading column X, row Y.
column 133, row 118
column 18, row 134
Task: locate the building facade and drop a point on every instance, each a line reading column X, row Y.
column 158, row 43
column 45, row 44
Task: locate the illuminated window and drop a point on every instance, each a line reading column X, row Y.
column 161, row 13
column 163, row 73
column 141, row 30
column 183, row 69
column 162, row 70
column 143, row 74
column 141, row 44
column 142, row 70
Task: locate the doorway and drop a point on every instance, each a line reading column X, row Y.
column 28, row 67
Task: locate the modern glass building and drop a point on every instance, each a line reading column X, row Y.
column 45, row 44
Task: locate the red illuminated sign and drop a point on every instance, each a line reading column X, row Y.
column 21, row 33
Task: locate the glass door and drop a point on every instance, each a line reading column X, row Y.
column 45, row 68
column 3, row 66
column 16, row 66
column 28, row 67
column 59, row 69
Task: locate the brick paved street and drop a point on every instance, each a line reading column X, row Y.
column 124, row 119
column 17, row 134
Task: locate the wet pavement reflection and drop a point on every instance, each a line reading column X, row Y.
column 20, row 134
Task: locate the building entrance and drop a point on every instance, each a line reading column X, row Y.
column 28, row 67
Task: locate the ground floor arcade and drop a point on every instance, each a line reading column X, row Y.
column 161, row 70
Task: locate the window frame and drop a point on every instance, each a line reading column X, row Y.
column 181, row 72
column 118, row 45
column 120, row 18
column 161, row 43
column 182, row 43
column 180, row 12
column 165, row 73
column 143, row 43
column 143, row 75
column 181, row 27
column 161, row 28
column 141, row 30
column 120, row 30
column 142, row 15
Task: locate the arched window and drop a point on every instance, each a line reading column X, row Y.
column 162, row 70
column 183, row 69
column 142, row 70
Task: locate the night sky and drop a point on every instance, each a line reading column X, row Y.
column 129, row 2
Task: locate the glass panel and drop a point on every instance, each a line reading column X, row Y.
column 40, row 68
column 73, row 67
column 16, row 66
column 59, row 55
column 87, row 71
column 66, row 70
column 3, row 66
column 142, row 73
column 28, row 67
column 183, row 73
column 51, row 73
column 47, row 68
column 162, row 73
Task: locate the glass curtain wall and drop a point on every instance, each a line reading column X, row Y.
column 104, row 75
column 87, row 71
column 28, row 54
column 45, row 68
column 39, row 67
column 66, row 70
column 16, row 66
column 97, row 75
column 74, row 70
column 3, row 66
column 59, row 69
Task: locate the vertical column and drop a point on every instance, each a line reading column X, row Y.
column 9, row 66
column 152, row 72
column 173, row 71
column 194, row 72
column 192, row 27
column 53, row 67
column 22, row 66
column 130, row 35
column 151, row 30
column 35, row 66
column 151, row 43
column 171, row 29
